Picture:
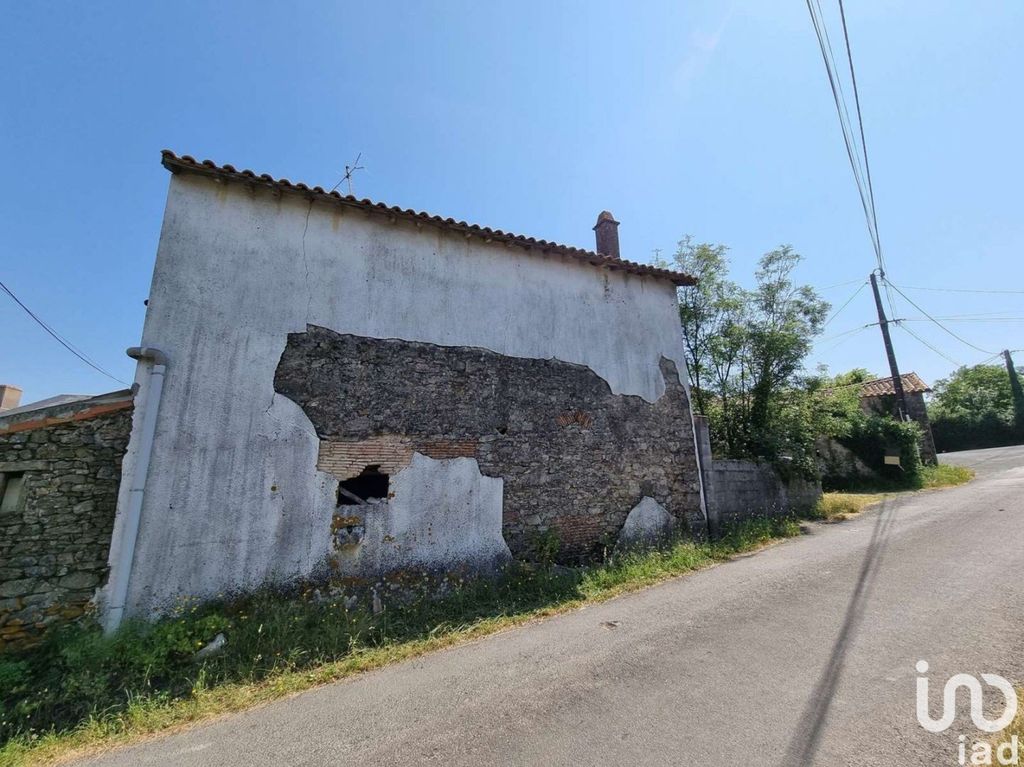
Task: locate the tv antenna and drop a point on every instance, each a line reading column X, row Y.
column 349, row 170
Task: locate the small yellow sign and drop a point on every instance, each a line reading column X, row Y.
column 892, row 460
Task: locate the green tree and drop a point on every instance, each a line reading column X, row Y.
column 974, row 394
column 745, row 351
column 710, row 313
column 783, row 320
column 973, row 408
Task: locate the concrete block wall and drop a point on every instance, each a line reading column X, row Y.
column 736, row 490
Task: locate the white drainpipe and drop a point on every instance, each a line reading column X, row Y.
column 121, row 563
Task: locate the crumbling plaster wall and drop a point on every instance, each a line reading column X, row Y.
column 574, row 457
column 440, row 512
column 233, row 497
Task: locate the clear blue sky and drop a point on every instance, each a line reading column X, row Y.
column 707, row 118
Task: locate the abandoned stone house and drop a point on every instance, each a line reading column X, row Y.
column 330, row 387
column 878, row 396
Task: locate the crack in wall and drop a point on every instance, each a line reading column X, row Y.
column 305, row 261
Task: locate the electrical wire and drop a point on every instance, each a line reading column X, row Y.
column 847, row 303
column 841, row 339
column 60, row 339
column 937, row 351
column 863, row 141
column 845, row 333
column 849, row 139
column 959, row 290
column 926, row 314
column 963, row 319
column 843, row 284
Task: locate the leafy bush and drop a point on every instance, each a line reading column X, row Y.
column 869, row 437
column 959, row 433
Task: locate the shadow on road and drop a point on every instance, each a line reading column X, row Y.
column 804, row 744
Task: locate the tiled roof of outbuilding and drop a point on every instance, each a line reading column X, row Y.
column 186, row 163
column 881, row 387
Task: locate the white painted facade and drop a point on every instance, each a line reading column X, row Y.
column 442, row 511
column 233, row 498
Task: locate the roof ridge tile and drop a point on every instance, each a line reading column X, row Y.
column 174, row 163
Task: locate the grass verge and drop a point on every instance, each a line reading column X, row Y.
column 1015, row 730
column 837, row 506
column 81, row 692
column 944, row 475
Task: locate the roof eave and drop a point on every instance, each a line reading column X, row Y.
column 207, row 168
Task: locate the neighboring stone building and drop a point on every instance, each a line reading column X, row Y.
column 879, row 396
column 332, row 387
column 60, row 467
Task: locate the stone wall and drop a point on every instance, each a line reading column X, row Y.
column 55, row 536
column 575, row 458
column 737, row 490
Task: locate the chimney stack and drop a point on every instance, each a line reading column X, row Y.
column 607, row 229
column 10, row 396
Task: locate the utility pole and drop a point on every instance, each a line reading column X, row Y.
column 897, row 382
column 1015, row 387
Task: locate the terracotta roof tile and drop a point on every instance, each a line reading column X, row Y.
column 186, row 163
column 881, row 387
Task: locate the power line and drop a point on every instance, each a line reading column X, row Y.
column 960, row 290
column 963, row 319
column 848, row 138
column 845, row 333
column 937, row 351
column 926, row 314
column 842, row 339
column 843, row 284
column 995, row 315
column 847, row 303
column 863, row 142
column 60, row 339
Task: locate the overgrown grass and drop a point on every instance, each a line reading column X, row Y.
column 945, row 475
column 1016, row 728
column 81, row 690
column 837, row 506
column 925, row 478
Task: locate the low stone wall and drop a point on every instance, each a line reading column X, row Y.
column 738, row 490
column 61, row 468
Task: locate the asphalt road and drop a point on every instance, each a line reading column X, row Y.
column 801, row 654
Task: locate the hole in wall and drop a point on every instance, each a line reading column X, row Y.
column 370, row 483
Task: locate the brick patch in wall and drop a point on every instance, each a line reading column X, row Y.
column 391, row 453
column 346, row 459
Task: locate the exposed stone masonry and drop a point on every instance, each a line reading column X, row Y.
column 574, row 457
column 54, row 543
